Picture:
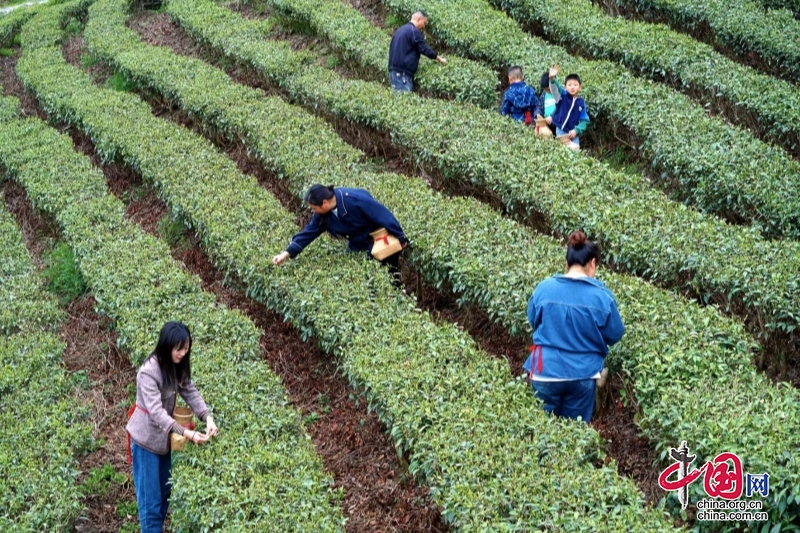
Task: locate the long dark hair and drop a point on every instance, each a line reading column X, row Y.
column 581, row 250
column 174, row 335
column 315, row 196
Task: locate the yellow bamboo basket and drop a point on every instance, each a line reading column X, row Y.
column 183, row 416
column 177, row 442
column 384, row 245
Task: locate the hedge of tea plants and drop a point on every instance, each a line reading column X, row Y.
column 44, row 426
column 706, row 161
column 359, row 40
column 655, row 51
column 720, row 168
column 137, row 283
column 24, row 304
column 640, row 230
column 502, row 467
column 11, row 23
column 472, row 248
column 45, row 429
column 791, row 5
column 742, row 25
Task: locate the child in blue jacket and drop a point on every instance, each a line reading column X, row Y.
column 571, row 117
column 349, row 213
column 546, row 104
column 519, row 99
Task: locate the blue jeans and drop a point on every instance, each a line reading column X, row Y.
column 151, row 479
column 568, row 399
column 401, row 82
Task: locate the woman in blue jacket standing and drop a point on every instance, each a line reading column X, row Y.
column 349, row 213
column 574, row 319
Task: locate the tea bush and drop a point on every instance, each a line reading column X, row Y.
column 743, row 25
column 24, row 305
column 44, row 431
column 640, row 230
column 515, row 468
column 11, row 23
column 472, row 248
column 359, row 40
column 655, row 51
column 44, row 426
column 704, row 161
column 137, row 283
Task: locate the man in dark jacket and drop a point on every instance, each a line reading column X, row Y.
column 408, row 44
column 347, row 213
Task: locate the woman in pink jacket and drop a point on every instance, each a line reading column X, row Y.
column 163, row 375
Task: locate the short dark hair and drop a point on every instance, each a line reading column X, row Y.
column 544, row 81
column 421, row 12
column 580, row 250
column 515, row 72
column 573, row 77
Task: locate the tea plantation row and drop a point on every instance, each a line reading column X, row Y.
column 462, row 79
column 24, row 306
column 507, row 471
column 44, row 424
column 639, row 228
column 742, row 25
column 655, row 51
column 137, row 283
column 709, row 163
column 466, row 235
column 11, row 23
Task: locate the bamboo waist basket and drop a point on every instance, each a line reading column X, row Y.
column 384, row 245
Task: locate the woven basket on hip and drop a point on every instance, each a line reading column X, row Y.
column 384, row 245
column 183, row 416
column 177, row 442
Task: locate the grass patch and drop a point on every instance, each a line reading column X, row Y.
column 118, row 82
column 74, row 27
column 88, row 60
column 63, row 277
column 7, row 52
column 172, row 231
column 618, row 159
column 100, row 480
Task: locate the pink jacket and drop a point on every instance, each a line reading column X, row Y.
column 151, row 422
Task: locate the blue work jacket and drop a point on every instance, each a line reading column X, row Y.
column 357, row 215
column 574, row 322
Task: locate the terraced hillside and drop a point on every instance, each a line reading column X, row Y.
column 171, row 170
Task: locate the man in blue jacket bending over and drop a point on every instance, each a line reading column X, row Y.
column 349, row 213
column 408, row 44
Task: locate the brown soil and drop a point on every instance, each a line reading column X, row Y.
column 380, row 495
column 635, row 456
column 73, row 50
column 353, row 445
column 373, row 10
column 91, row 346
column 12, row 86
column 493, row 338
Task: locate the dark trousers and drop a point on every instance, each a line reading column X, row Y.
column 568, row 399
column 393, row 262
